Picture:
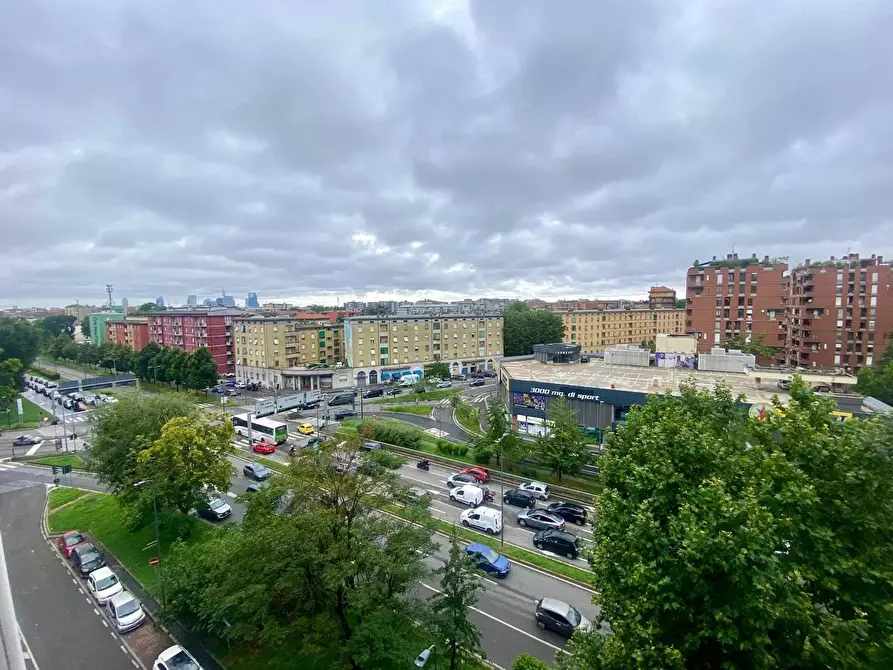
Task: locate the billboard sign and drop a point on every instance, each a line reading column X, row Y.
column 664, row 359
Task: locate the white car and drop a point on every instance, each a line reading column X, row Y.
column 445, row 384
column 103, row 584
column 538, row 489
column 486, row 519
column 175, row 658
column 125, row 611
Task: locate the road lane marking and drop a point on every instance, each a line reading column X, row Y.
column 34, row 449
column 504, row 623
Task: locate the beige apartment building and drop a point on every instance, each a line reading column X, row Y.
column 266, row 345
column 379, row 347
column 596, row 329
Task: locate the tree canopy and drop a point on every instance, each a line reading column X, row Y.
column 755, row 345
column 19, row 340
column 53, row 326
column 523, row 327
column 563, row 449
column 877, row 381
column 725, row 541
column 438, row 370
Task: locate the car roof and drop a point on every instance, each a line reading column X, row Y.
column 122, row 598
column 557, row 606
column 572, row 505
column 170, row 652
column 102, row 573
column 478, row 547
column 536, row 483
column 85, row 547
column 487, row 511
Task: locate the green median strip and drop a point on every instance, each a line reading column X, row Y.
column 273, row 465
column 420, row 410
column 66, row 459
column 63, row 496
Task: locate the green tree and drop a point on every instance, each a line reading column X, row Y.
column 57, row 344
column 53, row 326
column 189, row 457
column 563, row 450
column 144, row 360
column 523, row 327
column 649, row 345
column 724, row 541
column 528, row 662
column 70, row 351
column 681, row 303
column 437, row 370
column 85, row 327
column 755, row 345
column 19, row 340
column 460, row 583
column 149, row 307
column 10, row 371
column 200, row 370
column 877, row 381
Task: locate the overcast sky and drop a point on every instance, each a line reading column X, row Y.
column 309, row 150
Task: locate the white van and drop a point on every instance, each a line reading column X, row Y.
column 409, row 380
column 469, row 494
column 486, row 519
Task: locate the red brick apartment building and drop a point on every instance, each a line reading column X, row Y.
column 840, row 312
column 661, row 297
column 192, row 330
column 737, row 296
column 133, row 333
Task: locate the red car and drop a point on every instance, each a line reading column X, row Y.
column 263, row 447
column 69, row 541
column 480, row 474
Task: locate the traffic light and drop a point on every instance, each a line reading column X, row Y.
column 55, row 469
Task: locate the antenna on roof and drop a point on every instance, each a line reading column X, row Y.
column 108, row 289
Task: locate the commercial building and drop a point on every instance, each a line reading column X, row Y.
column 265, row 346
column 378, row 347
column 251, row 301
column 191, row 300
column 661, row 297
column 839, row 313
column 746, row 297
column 159, row 301
column 602, row 394
column 97, row 322
column 132, row 332
column 191, row 330
column 596, row 329
column 79, row 312
column 355, row 305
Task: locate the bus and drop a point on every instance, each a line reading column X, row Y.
column 275, row 431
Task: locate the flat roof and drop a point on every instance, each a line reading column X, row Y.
column 597, row 374
column 417, row 317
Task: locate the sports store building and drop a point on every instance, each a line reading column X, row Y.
column 603, row 394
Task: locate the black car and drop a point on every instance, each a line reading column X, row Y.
column 558, row 542
column 478, row 382
column 343, row 414
column 214, row 510
column 317, row 440
column 87, row 558
column 490, row 373
column 558, row 616
column 256, row 471
column 584, row 359
column 373, row 393
column 569, row 512
column 393, row 391
column 519, row 498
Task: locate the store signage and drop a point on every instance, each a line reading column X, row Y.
column 571, row 395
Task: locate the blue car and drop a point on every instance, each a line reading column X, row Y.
column 488, row 559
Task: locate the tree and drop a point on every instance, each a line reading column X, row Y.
column 10, row 369
column 680, row 303
column 460, row 583
column 523, row 327
column 200, row 370
column 438, row 370
column 85, row 327
column 528, row 662
column 189, row 457
column 877, row 383
column 649, row 345
column 150, row 307
column 53, row 326
column 753, row 345
column 563, row 449
column 725, row 541
column 57, row 344
column 19, row 340
column 376, row 309
column 144, row 360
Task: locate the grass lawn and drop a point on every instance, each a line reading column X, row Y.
column 32, row 416
column 468, row 418
column 73, row 460
column 60, row 496
column 439, row 394
column 37, row 371
column 149, row 387
column 421, row 410
column 276, row 466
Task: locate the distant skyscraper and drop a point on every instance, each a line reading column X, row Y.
column 125, row 306
column 159, row 301
column 191, row 301
column 226, row 301
column 251, row 301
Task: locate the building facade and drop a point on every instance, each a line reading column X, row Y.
column 97, row 322
column 133, row 333
column 265, row 346
column 595, row 330
column 840, row 313
column 484, row 306
column 191, row 300
column 378, row 346
column 661, row 297
column 251, row 301
column 192, row 330
column 745, row 297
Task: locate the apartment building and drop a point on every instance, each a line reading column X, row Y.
column 379, row 346
column 594, row 330
column 265, row 346
column 97, row 322
column 191, row 330
column 133, row 333
column 746, row 297
column 661, row 297
column 840, row 312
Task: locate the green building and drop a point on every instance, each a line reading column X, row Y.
column 97, row 325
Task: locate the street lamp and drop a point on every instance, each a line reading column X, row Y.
column 424, row 655
column 157, row 536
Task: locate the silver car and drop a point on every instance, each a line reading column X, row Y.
column 540, row 519
column 125, row 611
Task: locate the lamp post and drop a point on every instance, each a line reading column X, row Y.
column 157, row 536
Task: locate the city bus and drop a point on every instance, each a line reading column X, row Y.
column 275, row 431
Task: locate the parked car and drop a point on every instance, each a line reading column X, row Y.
column 219, row 390
column 489, row 373
column 445, row 384
column 558, row 542
column 306, row 429
column 467, row 495
column 373, row 393
column 87, row 558
column 393, row 391
column 489, row 560
column 477, row 382
column 540, row 490
column 252, row 488
column 486, row 519
column 481, row 474
column 519, row 498
column 256, row 471
column 371, row 445
column 103, row 584
column 231, row 392
column 125, row 611
column 26, row 441
column 558, row 616
column 540, row 518
column 460, row 479
column 175, row 658
column 69, row 541
column 263, row 447
column 569, row 511
column 214, row 510
column 584, row 359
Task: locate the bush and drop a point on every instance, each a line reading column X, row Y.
column 445, row 447
column 387, row 459
column 43, row 372
column 390, row 433
column 481, row 456
column 461, row 449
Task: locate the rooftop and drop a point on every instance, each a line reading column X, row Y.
column 597, row 374
column 421, row 317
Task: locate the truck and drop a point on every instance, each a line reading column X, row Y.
column 267, row 406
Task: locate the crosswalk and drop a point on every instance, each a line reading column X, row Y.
column 9, row 465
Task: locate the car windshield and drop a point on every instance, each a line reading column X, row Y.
column 261, row 469
column 217, row 503
column 106, row 583
column 573, row 617
column 180, row 661
column 73, row 539
column 89, row 556
column 489, row 555
column 128, row 608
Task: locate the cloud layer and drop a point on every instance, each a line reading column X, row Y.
column 496, row 148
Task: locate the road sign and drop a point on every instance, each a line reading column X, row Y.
column 153, row 562
column 66, row 469
column 19, row 406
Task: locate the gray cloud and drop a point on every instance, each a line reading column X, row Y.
column 363, row 149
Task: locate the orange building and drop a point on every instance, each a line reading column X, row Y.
column 133, row 333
